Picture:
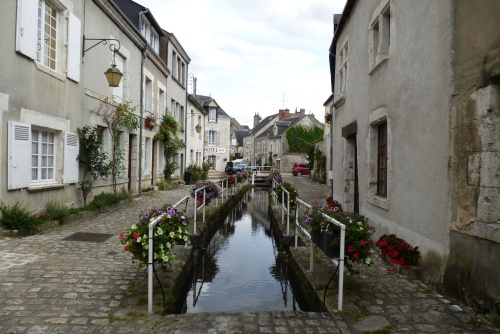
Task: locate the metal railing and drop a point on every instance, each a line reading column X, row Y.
column 151, row 226
column 298, row 226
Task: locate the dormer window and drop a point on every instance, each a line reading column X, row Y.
column 212, row 114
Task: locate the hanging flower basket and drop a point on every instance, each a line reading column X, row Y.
column 211, row 192
column 150, row 122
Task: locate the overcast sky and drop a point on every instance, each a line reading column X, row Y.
column 255, row 56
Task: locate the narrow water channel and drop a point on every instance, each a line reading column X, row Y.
column 242, row 269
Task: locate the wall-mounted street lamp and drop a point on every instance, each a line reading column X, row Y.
column 113, row 74
column 198, row 126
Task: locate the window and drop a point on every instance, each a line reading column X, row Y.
column 118, row 91
column 382, row 160
column 148, row 31
column 174, row 64
column 380, row 31
column 212, row 138
column 342, row 71
column 47, row 34
column 183, row 74
column 148, row 87
column 34, row 154
column 379, row 158
column 212, row 114
column 42, row 155
column 211, row 161
column 161, row 103
column 45, row 30
column 181, row 118
column 147, row 156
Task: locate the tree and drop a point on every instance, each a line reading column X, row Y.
column 171, row 143
column 117, row 117
column 92, row 158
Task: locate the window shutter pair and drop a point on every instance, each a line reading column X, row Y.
column 26, row 36
column 19, row 156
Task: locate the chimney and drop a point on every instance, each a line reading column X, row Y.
column 256, row 120
column 281, row 114
column 287, row 113
column 302, row 112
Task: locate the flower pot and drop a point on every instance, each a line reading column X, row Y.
column 324, row 241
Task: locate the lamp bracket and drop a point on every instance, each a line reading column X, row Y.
column 102, row 41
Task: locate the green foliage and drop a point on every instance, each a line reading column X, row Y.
column 171, row 143
column 300, row 139
column 117, row 117
column 92, row 158
column 495, row 320
column 57, row 211
column 18, row 217
column 198, row 173
column 319, row 168
column 162, row 185
column 105, row 199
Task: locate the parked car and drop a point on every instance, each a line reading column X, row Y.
column 236, row 166
column 300, row 168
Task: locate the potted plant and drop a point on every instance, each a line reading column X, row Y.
column 150, row 121
column 291, row 190
column 172, row 228
column 211, row 191
column 358, row 234
column 397, row 251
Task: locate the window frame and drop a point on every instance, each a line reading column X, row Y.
column 212, row 114
column 212, row 138
column 382, row 160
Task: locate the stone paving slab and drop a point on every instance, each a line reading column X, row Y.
column 51, row 285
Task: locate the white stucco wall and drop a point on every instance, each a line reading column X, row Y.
column 410, row 90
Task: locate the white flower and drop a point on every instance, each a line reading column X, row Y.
column 138, row 239
column 185, row 238
column 368, row 260
column 172, row 234
column 159, row 231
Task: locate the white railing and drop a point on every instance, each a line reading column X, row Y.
column 151, row 226
column 285, row 208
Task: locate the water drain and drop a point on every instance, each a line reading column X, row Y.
column 88, row 237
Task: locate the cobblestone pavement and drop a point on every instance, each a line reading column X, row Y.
column 50, row 283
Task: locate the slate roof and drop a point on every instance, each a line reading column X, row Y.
column 132, row 10
column 282, row 126
column 240, row 134
column 205, row 100
column 263, row 123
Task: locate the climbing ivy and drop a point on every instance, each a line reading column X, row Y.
column 301, row 139
column 117, row 117
column 171, row 143
column 319, row 166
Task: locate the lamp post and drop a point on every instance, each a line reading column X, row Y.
column 113, row 74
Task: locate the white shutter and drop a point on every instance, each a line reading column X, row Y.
column 71, row 149
column 26, row 30
column 19, row 151
column 74, row 47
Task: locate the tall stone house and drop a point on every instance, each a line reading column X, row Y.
column 217, row 136
column 195, row 129
column 52, row 83
column 266, row 143
column 416, row 133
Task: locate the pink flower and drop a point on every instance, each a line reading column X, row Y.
column 363, row 243
column 125, row 248
column 356, row 255
column 136, row 235
column 350, row 249
column 122, row 235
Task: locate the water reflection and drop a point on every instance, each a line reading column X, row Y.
column 242, row 269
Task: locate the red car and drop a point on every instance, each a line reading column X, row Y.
column 300, row 168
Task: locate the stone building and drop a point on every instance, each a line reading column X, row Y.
column 416, row 129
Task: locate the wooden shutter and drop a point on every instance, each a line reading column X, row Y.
column 19, row 152
column 71, row 149
column 74, row 47
column 26, row 29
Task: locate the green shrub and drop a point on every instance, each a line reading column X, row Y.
column 104, row 199
column 58, row 211
column 162, row 185
column 18, row 217
column 74, row 211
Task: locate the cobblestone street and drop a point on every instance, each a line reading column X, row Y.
column 53, row 282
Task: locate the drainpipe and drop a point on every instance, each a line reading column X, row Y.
column 185, row 124
column 143, row 59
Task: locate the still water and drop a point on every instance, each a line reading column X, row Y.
column 242, row 269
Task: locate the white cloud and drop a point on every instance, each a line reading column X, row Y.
column 255, row 56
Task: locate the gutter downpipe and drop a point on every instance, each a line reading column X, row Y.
column 185, row 125
column 141, row 98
